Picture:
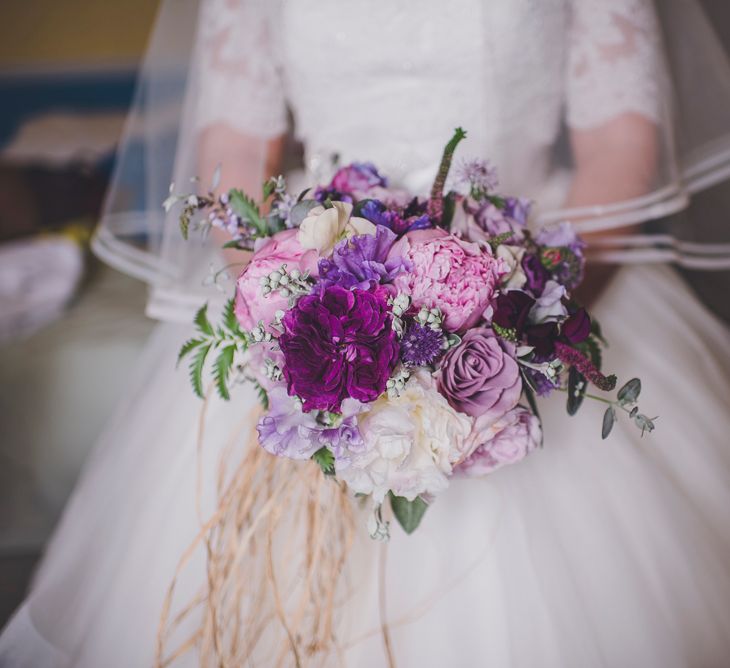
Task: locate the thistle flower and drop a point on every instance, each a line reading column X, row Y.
column 421, row 345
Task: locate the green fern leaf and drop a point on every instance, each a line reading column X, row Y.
column 245, row 207
column 196, row 368
column 263, row 395
column 229, row 318
column 222, row 369
column 202, row 322
column 188, row 346
column 326, row 461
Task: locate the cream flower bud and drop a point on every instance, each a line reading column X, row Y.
column 323, row 228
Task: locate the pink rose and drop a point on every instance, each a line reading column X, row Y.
column 507, row 441
column 480, row 376
column 283, row 248
column 456, row 276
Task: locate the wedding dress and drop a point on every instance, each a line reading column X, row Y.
column 589, row 553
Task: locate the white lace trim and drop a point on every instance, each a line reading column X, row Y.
column 614, row 62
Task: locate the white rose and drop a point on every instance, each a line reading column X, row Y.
column 512, row 257
column 323, row 228
column 412, row 443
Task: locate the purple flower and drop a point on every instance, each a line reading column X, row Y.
column 537, row 275
column 343, row 439
column 322, row 194
column 398, row 219
column 562, row 254
column 577, row 326
column 285, row 430
column 542, row 384
column 518, row 209
column 337, row 344
column 512, row 309
column 358, row 177
column 421, row 345
column 363, row 261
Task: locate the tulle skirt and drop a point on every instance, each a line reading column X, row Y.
column 589, row 553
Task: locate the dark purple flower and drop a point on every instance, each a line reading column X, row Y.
column 362, row 261
column 542, row 384
column 358, row 177
column 542, row 337
column 337, row 344
column 511, row 310
column 322, row 194
column 577, row 326
column 421, row 345
column 536, row 274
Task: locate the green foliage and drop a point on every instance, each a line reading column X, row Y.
column 222, row 369
column 247, row 208
column 577, row 385
column 408, row 513
column 196, row 368
column 188, row 347
column 326, row 460
column 263, row 395
column 609, row 418
column 630, row 392
column 201, row 321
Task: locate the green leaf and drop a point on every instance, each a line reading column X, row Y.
column 300, row 211
column 609, row 417
column 530, row 396
column 263, row 395
column 229, row 317
column 196, row 368
column 231, row 244
column 189, row 345
column 184, row 225
column 202, row 322
column 408, row 513
column 326, row 460
column 596, row 331
column 630, row 392
column 222, row 369
column 269, row 187
column 577, row 386
column 245, row 207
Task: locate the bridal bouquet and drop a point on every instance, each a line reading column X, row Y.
column 399, row 341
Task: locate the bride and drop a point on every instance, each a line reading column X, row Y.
column 588, row 553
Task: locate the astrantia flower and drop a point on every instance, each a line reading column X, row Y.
column 337, row 344
column 411, row 443
column 455, row 276
column 421, row 345
column 363, row 261
column 477, row 176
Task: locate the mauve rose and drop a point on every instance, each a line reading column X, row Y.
column 577, row 327
column 506, row 441
column 283, row 248
column 480, row 376
column 456, row 276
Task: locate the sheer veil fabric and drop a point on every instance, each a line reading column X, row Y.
column 233, row 62
column 585, row 554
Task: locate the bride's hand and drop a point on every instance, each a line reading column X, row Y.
column 245, row 163
column 615, row 161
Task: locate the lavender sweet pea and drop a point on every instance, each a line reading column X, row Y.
column 363, row 261
column 337, row 344
column 480, row 376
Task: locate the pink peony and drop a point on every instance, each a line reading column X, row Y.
column 507, row 441
column 456, row 276
column 283, row 248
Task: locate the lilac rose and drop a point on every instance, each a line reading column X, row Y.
column 480, row 376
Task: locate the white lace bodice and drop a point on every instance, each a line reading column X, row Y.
column 390, row 84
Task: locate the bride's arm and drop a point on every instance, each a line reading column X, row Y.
column 615, row 161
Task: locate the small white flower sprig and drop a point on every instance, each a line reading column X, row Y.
column 286, row 283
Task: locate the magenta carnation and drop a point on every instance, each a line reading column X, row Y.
column 338, row 344
column 456, row 276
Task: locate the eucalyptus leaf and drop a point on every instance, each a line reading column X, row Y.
column 300, row 211
column 408, row 513
column 629, row 393
column 577, row 386
column 530, row 396
column 609, row 418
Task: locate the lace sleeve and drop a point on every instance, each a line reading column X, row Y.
column 239, row 76
column 614, row 64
